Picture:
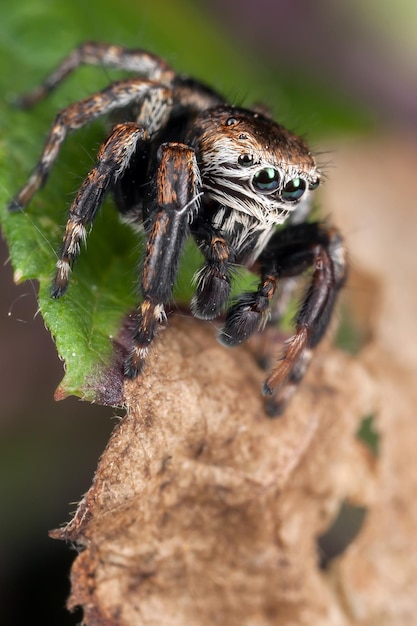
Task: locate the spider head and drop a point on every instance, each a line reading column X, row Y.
column 253, row 165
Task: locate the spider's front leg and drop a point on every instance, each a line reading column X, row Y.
column 178, row 188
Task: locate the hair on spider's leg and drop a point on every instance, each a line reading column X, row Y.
column 294, row 351
column 213, row 290
column 213, row 279
column 278, row 401
column 139, row 61
column 242, row 320
column 249, row 314
column 329, row 275
column 75, row 234
column 112, row 159
column 148, row 318
column 178, row 186
column 73, row 117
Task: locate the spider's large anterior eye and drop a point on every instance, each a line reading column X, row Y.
column 266, row 180
column 294, row 189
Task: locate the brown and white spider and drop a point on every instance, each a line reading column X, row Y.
column 184, row 161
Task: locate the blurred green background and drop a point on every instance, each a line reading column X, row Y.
column 324, row 70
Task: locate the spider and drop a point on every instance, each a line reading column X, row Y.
column 180, row 160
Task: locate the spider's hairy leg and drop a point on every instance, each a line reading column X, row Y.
column 213, row 280
column 112, row 159
column 325, row 248
column 93, row 53
column 285, row 257
column 178, row 186
column 76, row 115
column 249, row 314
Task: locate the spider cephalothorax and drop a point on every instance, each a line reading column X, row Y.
column 182, row 161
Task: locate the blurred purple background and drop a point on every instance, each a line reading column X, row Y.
column 365, row 50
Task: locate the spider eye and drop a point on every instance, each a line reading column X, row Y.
column 266, row 180
column 245, row 160
column 314, row 184
column 294, row 189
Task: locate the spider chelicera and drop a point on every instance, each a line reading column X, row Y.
column 184, row 161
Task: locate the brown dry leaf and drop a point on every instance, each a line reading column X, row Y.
column 377, row 578
column 204, row 511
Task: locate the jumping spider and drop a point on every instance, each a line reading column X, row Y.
column 184, row 161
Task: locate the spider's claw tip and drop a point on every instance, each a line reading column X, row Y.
column 26, row 101
column 267, row 390
column 134, row 364
column 14, row 206
column 227, row 339
column 274, row 404
column 130, row 372
column 58, row 290
column 56, row 293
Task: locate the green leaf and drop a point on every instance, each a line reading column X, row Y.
column 34, row 36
